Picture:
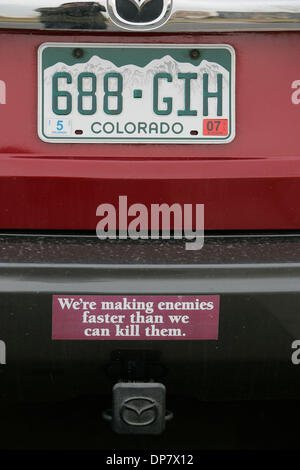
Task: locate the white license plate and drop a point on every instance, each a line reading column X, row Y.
column 113, row 93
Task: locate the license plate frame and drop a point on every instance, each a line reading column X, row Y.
column 50, row 131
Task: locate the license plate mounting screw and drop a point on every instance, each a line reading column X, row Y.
column 195, row 54
column 78, row 52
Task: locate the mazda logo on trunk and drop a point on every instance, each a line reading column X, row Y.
column 143, row 15
column 140, row 3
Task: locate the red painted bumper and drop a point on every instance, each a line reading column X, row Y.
column 251, row 183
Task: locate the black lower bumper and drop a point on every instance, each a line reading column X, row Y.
column 256, row 276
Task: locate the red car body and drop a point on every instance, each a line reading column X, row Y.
column 252, row 183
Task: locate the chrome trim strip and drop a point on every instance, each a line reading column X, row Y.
column 185, row 16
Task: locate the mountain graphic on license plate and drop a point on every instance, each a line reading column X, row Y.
column 108, row 93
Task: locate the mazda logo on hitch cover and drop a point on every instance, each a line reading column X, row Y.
column 139, row 411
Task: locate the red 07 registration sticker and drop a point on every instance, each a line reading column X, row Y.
column 215, row 126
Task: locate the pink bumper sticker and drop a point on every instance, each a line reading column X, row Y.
column 139, row 317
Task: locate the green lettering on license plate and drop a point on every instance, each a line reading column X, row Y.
column 110, row 93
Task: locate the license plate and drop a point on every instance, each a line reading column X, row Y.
column 113, row 93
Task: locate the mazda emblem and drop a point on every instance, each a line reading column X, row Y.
column 143, row 15
column 139, row 411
